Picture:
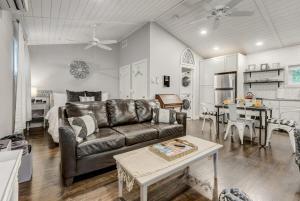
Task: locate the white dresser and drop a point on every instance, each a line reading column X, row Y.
column 9, row 167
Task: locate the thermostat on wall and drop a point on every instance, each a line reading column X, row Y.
column 166, row 81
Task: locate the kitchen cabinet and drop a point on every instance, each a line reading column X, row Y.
column 231, row 62
column 226, row 63
column 209, row 68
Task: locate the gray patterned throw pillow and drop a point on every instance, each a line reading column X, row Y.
column 164, row 116
column 84, row 126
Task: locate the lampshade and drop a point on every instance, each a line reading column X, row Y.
column 33, row 91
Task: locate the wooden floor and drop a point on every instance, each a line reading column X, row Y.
column 265, row 175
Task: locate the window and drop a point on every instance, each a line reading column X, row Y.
column 293, row 76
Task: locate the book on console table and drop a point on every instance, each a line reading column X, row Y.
column 173, row 149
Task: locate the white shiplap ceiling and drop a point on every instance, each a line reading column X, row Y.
column 275, row 22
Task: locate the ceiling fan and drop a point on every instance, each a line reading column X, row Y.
column 221, row 11
column 95, row 42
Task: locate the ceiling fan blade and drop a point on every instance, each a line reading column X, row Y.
column 233, row 3
column 241, row 13
column 104, row 47
column 89, row 46
column 216, row 24
column 107, row 42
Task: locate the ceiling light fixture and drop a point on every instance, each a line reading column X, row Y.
column 259, row 43
column 216, row 48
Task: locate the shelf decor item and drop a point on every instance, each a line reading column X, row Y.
column 79, row 69
column 251, row 67
column 264, row 66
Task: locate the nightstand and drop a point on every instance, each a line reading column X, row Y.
column 38, row 115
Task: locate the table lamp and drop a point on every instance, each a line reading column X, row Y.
column 33, row 93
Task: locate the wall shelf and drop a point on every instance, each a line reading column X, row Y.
column 265, row 82
column 262, row 71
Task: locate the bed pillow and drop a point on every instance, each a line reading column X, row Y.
column 83, row 126
column 73, row 96
column 86, row 98
column 96, row 94
column 164, row 116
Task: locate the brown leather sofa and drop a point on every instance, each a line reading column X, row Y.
column 124, row 125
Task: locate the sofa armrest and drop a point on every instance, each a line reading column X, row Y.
column 181, row 119
column 67, row 144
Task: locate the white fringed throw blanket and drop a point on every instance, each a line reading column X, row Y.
column 142, row 162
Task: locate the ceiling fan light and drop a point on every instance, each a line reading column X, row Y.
column 216, row 48
column 259, row 43
column 203, row 32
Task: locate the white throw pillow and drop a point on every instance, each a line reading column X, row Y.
column 86, row 98
column 83, row 126
column 164, row 116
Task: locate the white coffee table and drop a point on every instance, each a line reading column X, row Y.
column 145, row 181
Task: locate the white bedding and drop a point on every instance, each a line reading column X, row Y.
column 59, row 99
column 52, row 117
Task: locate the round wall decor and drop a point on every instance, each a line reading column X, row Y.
column 79, row 69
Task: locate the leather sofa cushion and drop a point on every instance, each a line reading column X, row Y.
column 82, row 108
column 105, row 140
column 121, row 112
column 166, row 130
column 143, row 110
column 137, row 133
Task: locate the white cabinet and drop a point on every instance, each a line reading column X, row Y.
column 209, row 68
column 231, row 62
column 10, row 162
column 134, row 80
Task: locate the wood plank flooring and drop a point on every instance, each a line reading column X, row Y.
column 264, row 174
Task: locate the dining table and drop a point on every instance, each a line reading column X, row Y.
column 267, row 111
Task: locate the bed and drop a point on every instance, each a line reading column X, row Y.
column 57, row 100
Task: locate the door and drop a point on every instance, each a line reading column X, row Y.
column 125, row 82
column 139, row 80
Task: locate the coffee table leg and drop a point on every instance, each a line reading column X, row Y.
column 120, row 188
column 215, row 156
column 143, row 192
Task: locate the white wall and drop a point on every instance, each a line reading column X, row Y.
column 165, row 55
column 138, row 46
column 284, row 56
column 6, row 74
column 50, row 68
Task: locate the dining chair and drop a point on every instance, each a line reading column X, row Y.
column 210, row 114
column 234, row 120
column 288, row 126
column 297, row 140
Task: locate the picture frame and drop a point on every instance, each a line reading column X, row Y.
column 293, row 76
column 251, row 67
column 264, row 66
column 275, row 65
